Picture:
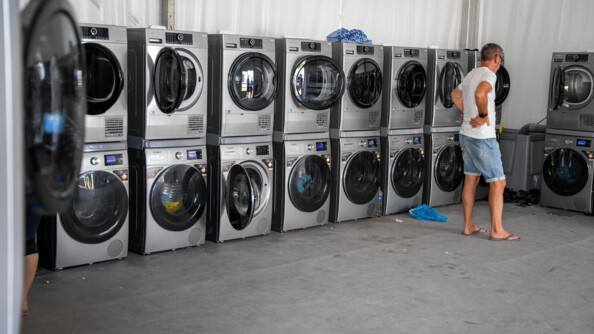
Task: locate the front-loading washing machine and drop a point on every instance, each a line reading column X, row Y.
column 444, row 168
column 95, row 227
column 168, row 95
column 403, row 170
column 106, row 50
column 568, row 171
column 310, row 82
column 405, row 82
column 355, row 176
column 360, row 107
column 241, row 187
column 169, row 195
column 302, row 181
column 243, row 85
column 502, row 85
column 446, row 70
column 571, row 91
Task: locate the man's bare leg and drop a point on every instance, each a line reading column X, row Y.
column 468, row 194
column 496, row 189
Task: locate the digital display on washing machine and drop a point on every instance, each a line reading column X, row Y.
column 583, row 143
column 114, row 159
column 262, row 150
column 321, row 146
column 194, row 154
column 371, row 143
column 416, row 140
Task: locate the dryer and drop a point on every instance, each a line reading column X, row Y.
column 310, row 82
column 95, row 227
column 568, row 171
column 571, row 91
column 243, row 85
column 355, row 176
column 302, row 181
column 106, row 50
column 169, row 194
column 168, row 96
column 444, row 168
column 502, row 85
column 405, row 83
column 360, row 107
column 403, row 170
column 446, row 70
column 241, row 187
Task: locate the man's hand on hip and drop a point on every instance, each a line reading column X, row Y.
column 478, row 121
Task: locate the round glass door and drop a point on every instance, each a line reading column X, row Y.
column 361, row 179
column 411, row 84
column 99, row 209
column 309, row 183
column 451, row 76
column 240, row 197
column 252, row 81
column 169, row 80
column 317, row 82
column 449, row 168
column 365, row 83
column 565, row 171
column 105, row 79
column 194, row 78
column 502, row 85
column 578, row 90
column 54, row 105
column 178, row 197
column 408, row 172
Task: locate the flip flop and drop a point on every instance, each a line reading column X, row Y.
column 505, row 239
column 480, row 230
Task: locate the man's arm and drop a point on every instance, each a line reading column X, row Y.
column 457, row 98
column 480, row 97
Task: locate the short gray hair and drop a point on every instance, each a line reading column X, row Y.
column 489, row 51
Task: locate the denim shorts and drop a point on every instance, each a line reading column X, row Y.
column 482, row 157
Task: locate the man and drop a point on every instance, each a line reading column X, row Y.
column 475, row 97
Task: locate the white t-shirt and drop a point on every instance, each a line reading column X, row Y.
column 468, row 88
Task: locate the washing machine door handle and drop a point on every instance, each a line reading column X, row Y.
column 502, row 85
column 169, row 80
column 557, row 87
column 241, row 201
column 445, row 78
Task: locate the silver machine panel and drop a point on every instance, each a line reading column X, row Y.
column 243, row 85
column 360, row 107
column 446, row 70
column 568, row 171
column 106, row 48
column 405, row 87
column 571, row 91
column 444, row 176
column 168, row 71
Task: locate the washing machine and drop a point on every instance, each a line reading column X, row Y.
column 444, row 168
column 241, row 187
column 568, row 170
column 355, row 176
column 169, row 194
column 360, row 107
column 571, row 91
column 446, row 70
column 302, row 181
column 243, row 86
column 95, row 227
column 502, row 85
column 168, row 94
column 405, row 81
column 106, row 51
column 403, row 170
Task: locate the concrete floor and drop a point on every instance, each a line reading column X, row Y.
column 368, row 276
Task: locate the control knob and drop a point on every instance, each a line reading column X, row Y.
column 310, row 147
column 312, row 45
column 409, row 140
column 249, row 150
column 179, row 155
column 93, row 31
column 180, row 37
column 94, row 161
column 252, row 42
column 362, row 143
column 567, row 141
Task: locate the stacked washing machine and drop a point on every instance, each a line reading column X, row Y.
column 95, row 227
column 310, row 83
column 569, row 152
column 167, row 144
column 355, row 133
column 444, row 164
column 405, row 93
column 242, row 92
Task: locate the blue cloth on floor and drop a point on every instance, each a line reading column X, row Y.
column 349, row 36
column 424, row 212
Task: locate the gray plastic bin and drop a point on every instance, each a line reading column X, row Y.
column 522, row 157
